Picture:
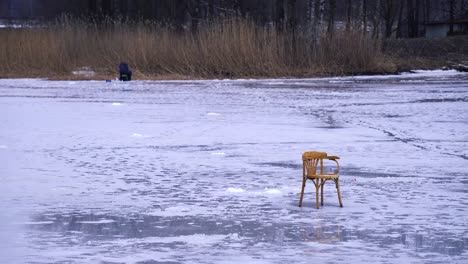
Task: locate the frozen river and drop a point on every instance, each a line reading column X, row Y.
column 210, row 171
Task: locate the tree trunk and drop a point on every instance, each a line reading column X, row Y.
column 389, row 12
column 427, row 11
column 348, row 14
column 399, row 34
column 92, row 6
column 280, row 15
column 286, row 14
column 416, row 19
column 364, row 15
column 321, row 16
column 123, row 6
column 331, row 17
column 310, row 11
column 311, row 18
column 211, row 10
column 376, row 19
column 410, row 18
column 106, row 7
column 452, row 16
column 292, row 25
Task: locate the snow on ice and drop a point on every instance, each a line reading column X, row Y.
column 83, row 182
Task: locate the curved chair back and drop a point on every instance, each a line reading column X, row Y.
column 312, row 161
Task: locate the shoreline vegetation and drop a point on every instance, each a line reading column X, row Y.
column 74, row 49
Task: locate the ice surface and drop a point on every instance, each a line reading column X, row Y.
column 235, row 190
column 210, row 171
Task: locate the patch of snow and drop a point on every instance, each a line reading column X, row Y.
column 180, row 210
column 102, row 221
column 273, row 191
column 235, row 190
column 137, row 135
column 38, row 223
column 11, row 26
column 85, row 72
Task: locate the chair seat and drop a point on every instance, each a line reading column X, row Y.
column 324, row 176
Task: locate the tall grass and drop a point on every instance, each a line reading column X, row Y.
column 231, row 48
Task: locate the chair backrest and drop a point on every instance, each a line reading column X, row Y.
column 314, row 155
column 313, row 160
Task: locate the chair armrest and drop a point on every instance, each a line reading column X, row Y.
column 335, row 159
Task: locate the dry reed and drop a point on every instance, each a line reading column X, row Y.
column 231, row 48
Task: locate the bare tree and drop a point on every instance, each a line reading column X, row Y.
column 280, row 15
column 416, row 18
column 321, row 15
column 363, row 8
column 331, row 16
column 92, row 6
column 310, row 11
column 376, row 18
column 427, row 11
column 388, row 10
column 311, row 18
column 291, row 14
column 399, row 33
column 410, row 18
column 349, row 8
column 452, row 16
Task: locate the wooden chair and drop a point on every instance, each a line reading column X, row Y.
column 312, row 169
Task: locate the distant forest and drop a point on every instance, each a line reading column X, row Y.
column 383, row 18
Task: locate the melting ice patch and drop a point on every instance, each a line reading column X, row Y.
column 234, row 190
column 84, row 71
column 218, row 153
column 102, row 221
column 38, row 223
column 272, row 191
column 137, row 135
column 116, row 104
column 254, row 193
column 197, row 239
column 180, row 210
column 213, row 114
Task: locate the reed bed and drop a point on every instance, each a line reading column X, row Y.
column 232, row 48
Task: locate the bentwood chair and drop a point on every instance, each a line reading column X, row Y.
column 313, row 169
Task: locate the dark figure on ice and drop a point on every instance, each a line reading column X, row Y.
column 125, row 72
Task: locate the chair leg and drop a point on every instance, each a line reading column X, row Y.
column 317, row 190
column 338, row 190
column 322, row 183
column 302, row 192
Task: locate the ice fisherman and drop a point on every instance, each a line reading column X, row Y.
column 125, row 74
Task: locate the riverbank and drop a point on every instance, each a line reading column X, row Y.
column 76, row 50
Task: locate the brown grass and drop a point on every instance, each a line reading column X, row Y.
column 426, row 53
column 231, row 48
